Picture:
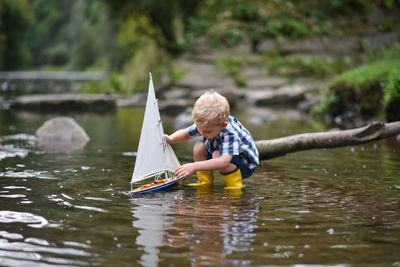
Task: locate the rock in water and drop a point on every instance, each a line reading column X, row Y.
column 61, row 134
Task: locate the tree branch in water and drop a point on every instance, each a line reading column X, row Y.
column 372, row 132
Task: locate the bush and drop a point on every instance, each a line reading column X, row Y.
column 342, row 7
column 225, row 35
column 245, row 12
column 285, row 28
column 58, row 54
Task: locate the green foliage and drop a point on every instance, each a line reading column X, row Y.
column 305, row 65
column 169, row 18
column 245, row 12
column 91, row 88
column 14, row 20
column 72, row 35
column 254, row 21
column 342, row 7
column 329, row 101
column 391, row 100
column 240, row 80
column 230, row 64
column 286, row 28
column 366, row 74
column 48, row 33
column 385, row 53
column 117, row 83
column 222, row 36
column 233, row 65
column 196, row 26
column 391, row 3
column 112, row 35
column 370, row 90
column 176, row 74
column 57, row 54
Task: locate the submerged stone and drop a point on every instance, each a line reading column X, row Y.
column 61, row 134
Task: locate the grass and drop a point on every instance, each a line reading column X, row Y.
column 374, row 88
column 305, row 65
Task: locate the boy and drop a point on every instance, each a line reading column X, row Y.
column 227, row 146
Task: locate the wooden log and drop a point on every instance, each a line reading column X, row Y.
column 372, row 132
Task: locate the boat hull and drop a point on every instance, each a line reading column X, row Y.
column 156, row 187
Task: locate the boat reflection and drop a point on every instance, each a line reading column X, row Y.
column 211, row 224
column 151, row 212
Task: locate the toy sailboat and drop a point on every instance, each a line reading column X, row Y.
column 155, row 158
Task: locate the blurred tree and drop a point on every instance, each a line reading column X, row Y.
column 14, row 23
column 93, row 36
column 74, row 34
column 168, row 17
column 47, row 37
column 81, row 34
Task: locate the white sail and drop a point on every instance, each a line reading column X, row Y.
column 154, row 155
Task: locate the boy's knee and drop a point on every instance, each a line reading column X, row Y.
column 199, row 151
column 199, row 147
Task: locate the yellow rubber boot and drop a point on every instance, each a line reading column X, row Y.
column 205, row 177
column 233, row 180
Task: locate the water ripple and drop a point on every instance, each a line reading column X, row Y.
column 27, row 174
column 8, row 235
column 21, row 136
column 10, row 151
column 90, row 208
column 61, row 201
column 13, row 196
column 30, row 219
column 36, row 252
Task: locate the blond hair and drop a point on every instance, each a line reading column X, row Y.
column 211, row 108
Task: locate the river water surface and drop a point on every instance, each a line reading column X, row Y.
column 326, row 207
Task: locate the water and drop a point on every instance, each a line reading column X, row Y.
column 326, row 207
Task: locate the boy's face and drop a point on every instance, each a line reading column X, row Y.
column 210, row 131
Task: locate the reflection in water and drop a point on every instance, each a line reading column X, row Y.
column 60, row 147
column 152, row 220
column 222, row 223
column 212, row 225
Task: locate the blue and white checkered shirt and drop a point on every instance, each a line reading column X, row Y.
column 233, row 140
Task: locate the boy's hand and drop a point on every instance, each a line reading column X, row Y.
column 167, row 138
column 185, row 170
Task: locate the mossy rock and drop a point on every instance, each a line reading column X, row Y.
column 367, row 91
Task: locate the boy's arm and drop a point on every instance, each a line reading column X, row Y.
column 178, row 136
column 205, row 165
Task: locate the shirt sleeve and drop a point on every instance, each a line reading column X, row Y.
column 192, row 130
column 229, row 144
